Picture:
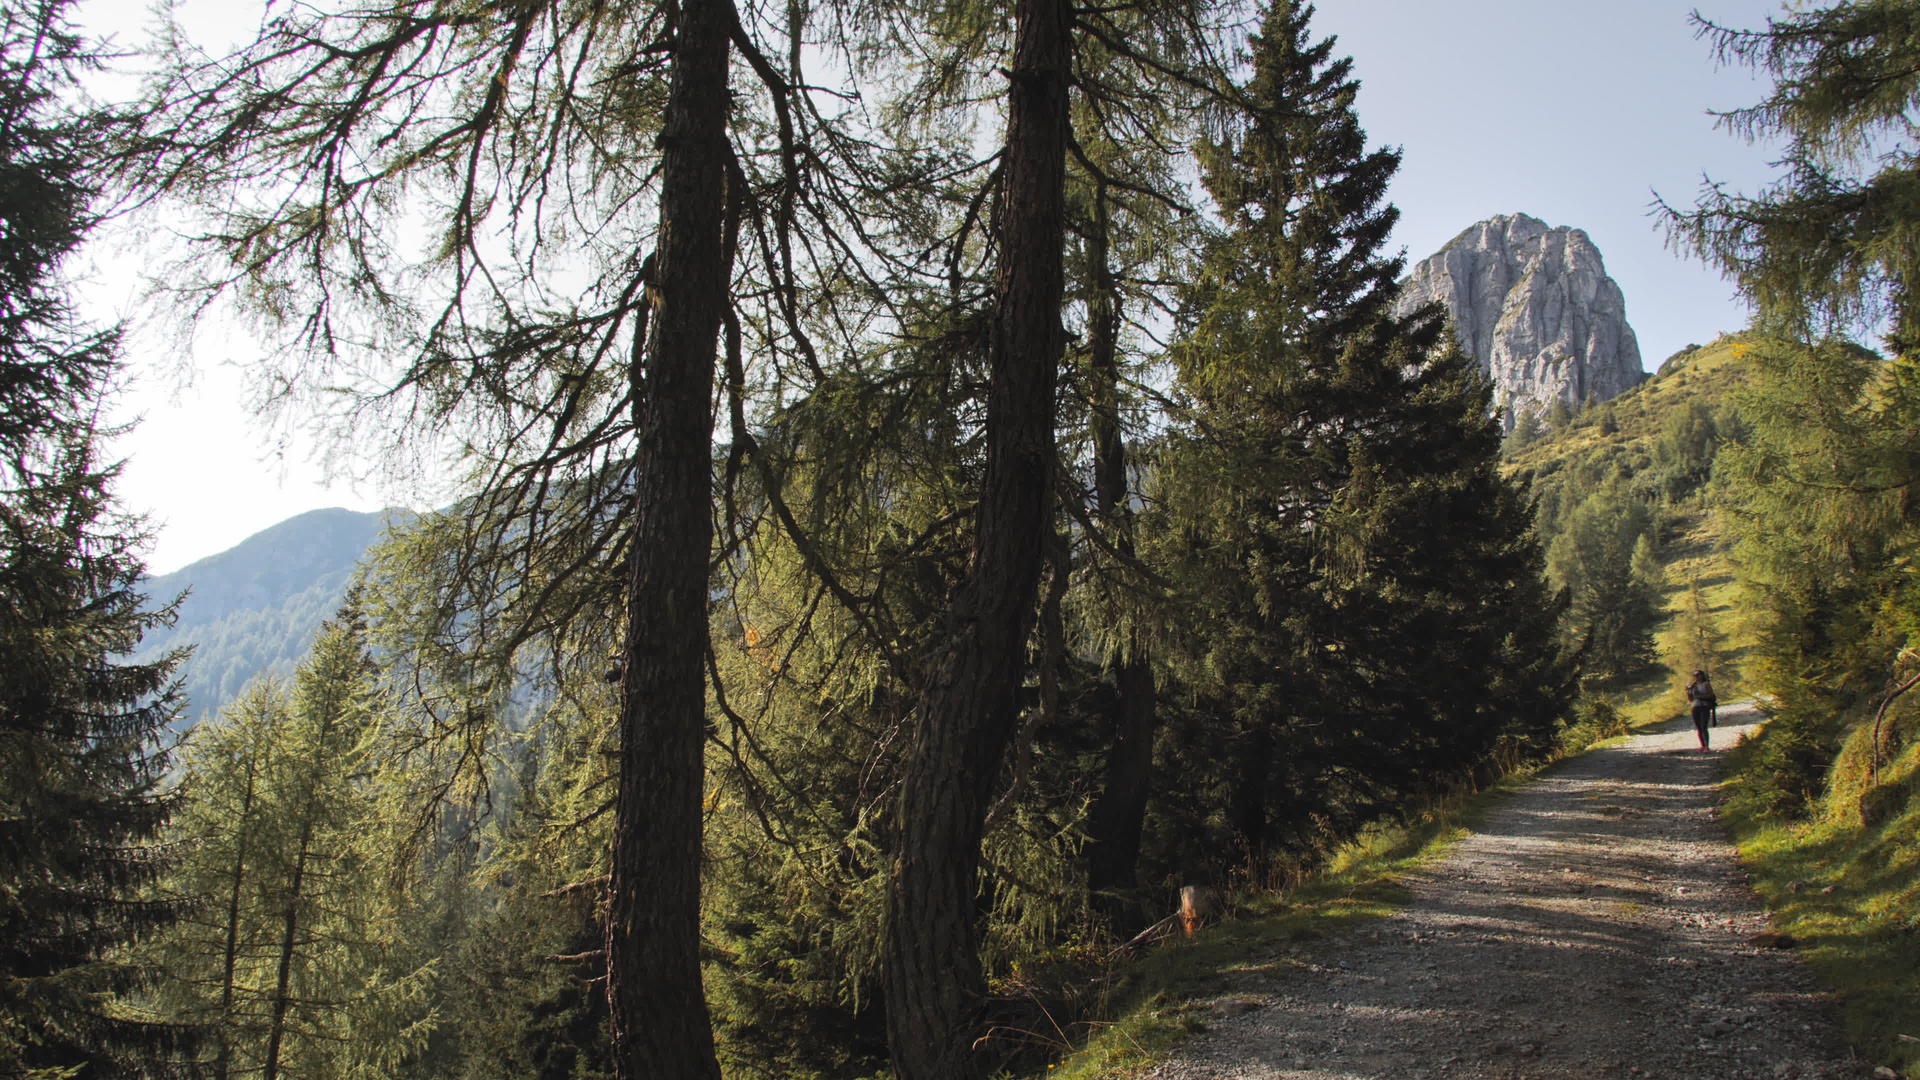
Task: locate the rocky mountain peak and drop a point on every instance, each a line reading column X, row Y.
column 1533, row 303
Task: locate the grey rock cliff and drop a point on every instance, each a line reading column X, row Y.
column 1535, row 306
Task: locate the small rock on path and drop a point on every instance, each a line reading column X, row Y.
column 1597, row 926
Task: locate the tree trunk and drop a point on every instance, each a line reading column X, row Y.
column 230, row 959
column 661, row 1027
column 934, row 986
column 1115, row 819
column 289, row 932
column 1247, row 802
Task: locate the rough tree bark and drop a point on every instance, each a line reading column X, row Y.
column 661, row 1026
column 934, row 986
column 1247, row 799
column 1115, row 818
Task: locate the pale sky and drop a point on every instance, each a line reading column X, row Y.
column 1575, row 113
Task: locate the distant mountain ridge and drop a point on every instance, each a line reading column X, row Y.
column 1534, row 305
column 252, row 610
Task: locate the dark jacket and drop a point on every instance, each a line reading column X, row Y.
column 1700, row 694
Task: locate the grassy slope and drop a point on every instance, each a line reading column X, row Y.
column 1692, row 545
column 1847, row 891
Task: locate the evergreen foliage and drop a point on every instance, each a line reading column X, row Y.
column 1827, row 250
column 52, row 369
column 1826, row 253
column 294, row 957
column 1322, row 439
column 81, row 771
column 990, row 647
column 1603, row 558
column 1817, row 495
column 1618, row 493
column 81, row 765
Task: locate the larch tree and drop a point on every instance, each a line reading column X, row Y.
column 1827, row 248
column 290, row 958
column 659, row 1011
column 966, row 717
column 1823, row 486
column 967, row 708
column 1133, row 224
column 588, row 178
column 219, row 827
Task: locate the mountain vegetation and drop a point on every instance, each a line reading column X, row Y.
column 963, row 648
column 1787, row 466
column 1626, row 510
column 252, row 611
column 1827, row 524
column 920, row 529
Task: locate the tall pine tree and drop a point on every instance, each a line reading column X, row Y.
column 1347, row 657
column 80, row 759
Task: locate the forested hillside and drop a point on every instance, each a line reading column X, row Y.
column 1740, row 513
column 1630, row 519
column 1802, row 492
column 253, row 610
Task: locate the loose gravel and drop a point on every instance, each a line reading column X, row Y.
column 1597, row 926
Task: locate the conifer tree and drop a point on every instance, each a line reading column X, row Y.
column 1125, row 242
column 1603, row 557
column 1292, row 341
column 1819, row 495
column 1322, row 435
column 221, row 818
column 1701, row 641
column 966, row 717
column 616, row 148
column 292, row 959
column 81, row 768
column 1826, row 250
column 81, row 761
column 1826, row 254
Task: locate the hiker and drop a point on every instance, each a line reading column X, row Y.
column 1705, row 705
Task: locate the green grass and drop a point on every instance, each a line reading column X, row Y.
column 1167, row 995
column 1850, row 894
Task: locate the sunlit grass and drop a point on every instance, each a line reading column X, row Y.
column 1849, row 893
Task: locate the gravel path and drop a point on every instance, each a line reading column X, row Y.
column 1596, row 927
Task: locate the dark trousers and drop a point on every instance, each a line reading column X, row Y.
column 1702, row 714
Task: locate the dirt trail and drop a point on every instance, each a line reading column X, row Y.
column 1596, row 927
